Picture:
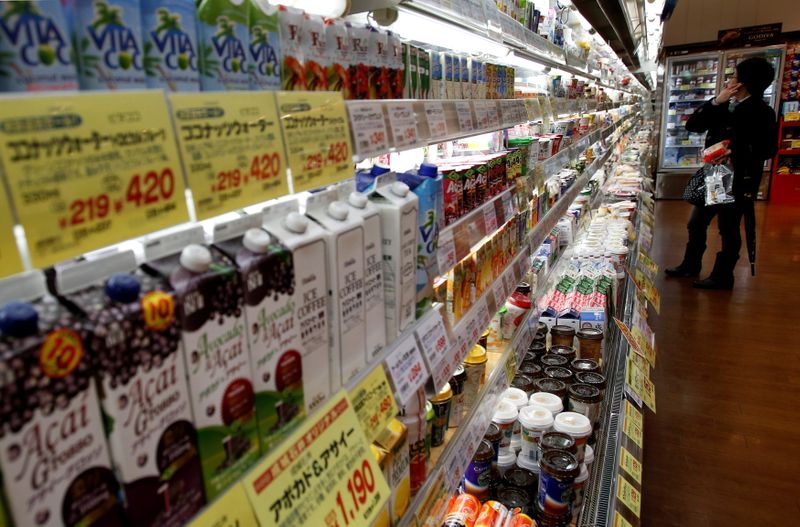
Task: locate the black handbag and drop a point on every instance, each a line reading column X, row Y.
column 695, row 192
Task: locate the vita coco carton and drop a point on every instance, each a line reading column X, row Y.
column 374, row 306
column 223, row 34
column 135, row 342
column 108, row 43
column 53, row 453
column 35, row 41
column 345, row 231
column 307, row 241
column 170, row 45
column 264, row 49
column 398, row 207
column 266, row 268
column 209, row 297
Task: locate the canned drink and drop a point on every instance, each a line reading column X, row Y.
column 462, row 512
column 490, row 513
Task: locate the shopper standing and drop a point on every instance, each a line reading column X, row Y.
column 739, row 114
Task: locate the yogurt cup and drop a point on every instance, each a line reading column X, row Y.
column 505, row 415
column 578, row 426
column 578, row 490
column 588, row 457
column 549, row 401
column 519, row 399
column 534, row 420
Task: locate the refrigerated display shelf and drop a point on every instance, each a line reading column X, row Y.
column 701, row 99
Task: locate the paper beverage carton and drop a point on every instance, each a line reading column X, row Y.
column 424, row 70
column 379, row 64
column 35, row 39
column 307, row 242
column 108, row 44
column 437, row 80
column 223, row 35
column 396, row 67
column 266, row 268
column 340, row 57
column 171, row 57
column 360, row 65
column 53, row 453
column 293, row 71
column 317, row 59
column 264, row 48
column 135, row 342
column 346, row 282
column 209, row 298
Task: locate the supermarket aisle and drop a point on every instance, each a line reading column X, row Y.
column 722, row 449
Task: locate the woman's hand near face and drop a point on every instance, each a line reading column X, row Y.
column 728, row 91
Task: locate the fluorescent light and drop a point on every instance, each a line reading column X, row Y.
column 328, row 8
column 523, row 63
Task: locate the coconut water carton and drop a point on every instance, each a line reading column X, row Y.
column 264, row 49
column 35, row 47
column 108, row 44
column 171, row 57
column 223, row 36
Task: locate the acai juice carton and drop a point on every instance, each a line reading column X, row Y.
column 53, row 453
column 346, row 282
column 266, row 268
column 223, row 34
column 108, row 43
column 209, row 297
column 171, row 59
column 310, row 300
column 134, row 339
column 263, row 61
column 36, row 47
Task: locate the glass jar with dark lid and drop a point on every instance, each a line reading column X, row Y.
column 556, row 479
column 590, row 342
column 549, row 385
column 597, row 380
column 557, row 441
column 537, row 348
column 513, row 497
column 541, row 327
column 540, row 337
column 580, row 365
column 567, row 352
column 493, row 436
column 559, row 372
column 562, row 335
column 551, row 359
column 522, row 478
column 531, row 369
column 523, row 288
column 585, row 400
column 524, row 383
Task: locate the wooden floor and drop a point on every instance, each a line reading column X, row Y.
column 724, row 448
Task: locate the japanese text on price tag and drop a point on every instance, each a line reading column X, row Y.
column 484, row 317
column 231, row 509
column 631, row 465
column 88, row 170
column 231, row 147
column 490, row 218
column 481, row 114
column 627, row 494
column 498, row 290
column 323, row 474
column 446, row 251
column 437, row 124
column 403, row 121
column 317, row 139
column 407, row 369
column 492, row 114
column 464, row 111
column 10, row 261
column 433, row 338
column 369, row 129
column 374, row 403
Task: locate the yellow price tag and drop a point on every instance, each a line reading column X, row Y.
column 649, row 290
column 649, row 393
column 231, row 509
column 89, row 170
column 323, row 474
column 232, row 149
column 639, row 361
column 511, row 367
column 634, row 378
column 10, row 261
column 374, row 403
column 646, row 264
column 631, row 465
column 633, row 429
column 620, row 521
column 644, row 344
column 627, row 494
column 316, row 133
column 633, row 413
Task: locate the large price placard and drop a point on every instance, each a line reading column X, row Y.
column 88, row 170
column 317, row 138
column 10, row 262
column 324, row 474
column 374, row 403
column 232, row 149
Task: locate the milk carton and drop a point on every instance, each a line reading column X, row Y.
column 170, row 45
column 346, row 283
column 264, row 48
column 307, row 241
column 108, row 44
column 398, row 207
column 267, row 272
column 53, row 453
column 135, row 342
column 223, row 35
column 209, row 298
column 35, row 39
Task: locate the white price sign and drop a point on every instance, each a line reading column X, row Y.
column 482, row 114
column 407, row 369
column 508, row 115
column 508, row 205
column 473, row 327
column 489, row 217
column 483, row 315
column 369, row 129
column 404, row 124
column 433, row 338
column 464, row 111
column 463, row 348
column 442, row 373
column 437, row 124
column 446, row 251
column 522, row 347
column 498, row 290
column 508, row 280
column 494, row 116
column 522, row 110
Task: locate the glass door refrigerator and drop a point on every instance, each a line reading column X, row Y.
column 689, row 81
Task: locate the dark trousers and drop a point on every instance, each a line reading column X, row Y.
column 729, row 218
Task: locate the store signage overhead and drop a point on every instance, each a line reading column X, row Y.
column 740, row 37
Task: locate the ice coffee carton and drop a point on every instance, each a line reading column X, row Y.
column 307, row 242
column 134, row 339
column 53, row 453
column 345, row 231
column 266, row 268
column 209, row 298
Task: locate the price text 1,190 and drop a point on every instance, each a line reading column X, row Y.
column 360, row 485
